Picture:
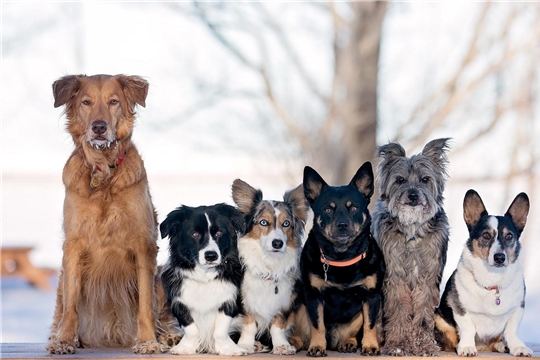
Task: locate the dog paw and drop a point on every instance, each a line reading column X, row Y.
column 260, row 348
column 61, row 347
column 467, row 350
column 427, row 350
column 183, row 348
column 521, row 351
column 284, row 350
column 347, row 347
column 370, row 350
column 147, row 347
column 169, row 340
column 230, row 349
column 397, row 350
column 316, row 351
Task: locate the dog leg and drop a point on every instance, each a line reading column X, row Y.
column 223, row 343
column 66, row 338
column 515, row 345
column 317, row 344
column 467, row 333
column 370, row 343
column 397, row 327
column 249, row 331
column 189, row 343
column 280, row 344
column 146, row 334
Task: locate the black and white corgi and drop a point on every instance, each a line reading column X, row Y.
column 202, row 276
column 484, row 299
column 270, row 252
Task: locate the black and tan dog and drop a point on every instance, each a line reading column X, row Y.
column 342, row 269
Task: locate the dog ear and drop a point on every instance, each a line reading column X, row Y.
column 65, row 89
column 473, row 209
column 391, row 150
column 518, row 211
column 313, row 184
column 135, row 88
column 296, row 200
column 245, row 196
column 236, row 218
column 363, row 180
column 174, row 220
column 436, row 150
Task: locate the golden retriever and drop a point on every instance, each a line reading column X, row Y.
column 107, row 293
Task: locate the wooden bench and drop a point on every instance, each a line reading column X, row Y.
column 16, row 262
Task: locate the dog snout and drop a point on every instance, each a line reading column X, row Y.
column 277, row 244
column 99, row 127
column 413, row 197
column 342, row 225
column 211, row 256
column 499, row 258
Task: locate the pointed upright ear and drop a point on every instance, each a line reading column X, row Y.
column 473, row 209
column 135, row 88
column 313, row 184
column 296, row 200
column 65, row 89
column 245, row 196
column 518, row 211
column 236, row 218
column 437, row 149
column 173, row 221
column 363, row 180
column 391, row 150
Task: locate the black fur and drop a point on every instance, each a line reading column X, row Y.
column 341, row 229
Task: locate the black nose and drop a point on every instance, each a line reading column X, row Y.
column 342, row 225
column 499, row 258
column 211, row 256
column 99, row 127
column 277, row 244
column 413, row 196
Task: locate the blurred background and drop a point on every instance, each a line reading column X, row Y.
column 259, row 90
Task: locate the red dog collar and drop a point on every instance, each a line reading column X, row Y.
column 354, row 260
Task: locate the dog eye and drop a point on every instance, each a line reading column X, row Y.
column 509, row 237
column 400, row 180
column 219, row 233
column 486, row 235
column 425, row 179
column 113, row 102
column 195, row 235
column 353, row 208
column 86, row 102
column 263, row 223
column 286, row 223
column 328, row 210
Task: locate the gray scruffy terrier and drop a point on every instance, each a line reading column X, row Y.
column 411, row 228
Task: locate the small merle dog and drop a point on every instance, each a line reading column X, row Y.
column 202, row 276
column 342, row 269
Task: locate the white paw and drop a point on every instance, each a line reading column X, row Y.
column 521, row 351
column 285, row 349
column 250, row 348
column 184, row 348
column 229, row 348
column 500, row 347
column 467, row 350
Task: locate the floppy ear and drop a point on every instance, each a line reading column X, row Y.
column 436, row 150
column 169, row 226
column 473, row 209
column 518, row 211
column 135, row 88
column 237, row 219
column 363, row 180
column 313, row 184
column 296, row 200
column 245, row 197
column 65, row 89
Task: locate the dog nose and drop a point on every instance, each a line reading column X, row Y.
column 211, row 256
column 277, row 244
column 413, row 196
column 499, row 258
column 342, row 225
column 99, row 127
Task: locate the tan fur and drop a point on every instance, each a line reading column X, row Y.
column 370, row 341
column 106, row 294
column 346, row 333
column 317, row 345
column 369, row 282
column 449, row 338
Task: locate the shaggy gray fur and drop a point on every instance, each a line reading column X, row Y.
column 411, row 228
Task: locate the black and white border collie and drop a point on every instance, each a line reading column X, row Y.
column 484, row 299
column 202, row 276
column 270, row 253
